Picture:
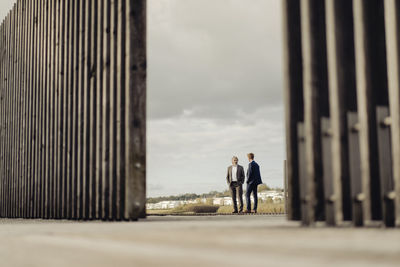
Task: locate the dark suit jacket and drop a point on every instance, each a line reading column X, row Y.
column 239, row 175
column 253, row 174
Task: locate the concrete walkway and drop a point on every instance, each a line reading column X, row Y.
column 194, row 241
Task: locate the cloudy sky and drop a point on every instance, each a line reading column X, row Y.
column 214, row 90
column 214, row 87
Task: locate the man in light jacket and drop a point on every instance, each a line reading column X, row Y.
column 235, row 180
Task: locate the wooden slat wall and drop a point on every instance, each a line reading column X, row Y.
column 73, row 110
column 346, row 158
column 293, row 91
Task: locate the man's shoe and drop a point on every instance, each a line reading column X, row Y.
column 254, row 211
column 247, row 211
column 235, row 211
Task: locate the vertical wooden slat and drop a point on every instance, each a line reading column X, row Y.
column 5, row 86
column 56, row 126
column 356, row 182
column 2, row 111
column 86, row 93
column 112, row 103
column 121, row 109
column 99, row 110
column 392, row 27
column 332, row 196
column 70, row 113
column 40, row 112
column 80, row 110
column 10, row 110
column 1, row 114
column 14, row 59
column 342, row 97
column 93, row 73
column 22, row 127
column 316, row 103
column 45, row 110
column 305, row 195
column 35, row 138
column 293, row 91
column 8, row 121
column 24, row 89
column 106, row 111
column 66, row 110
column 385, row 162
column 18, row 102
column 29, row 140
column 50, row 110
column 2, row 118
column 136, row 66
column 38, row 71
column 7, row 115
column 62, row 135
column 74, row 114
column 371, row 80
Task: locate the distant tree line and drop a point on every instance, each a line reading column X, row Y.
column 212, row 194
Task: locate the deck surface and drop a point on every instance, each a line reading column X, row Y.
column 194, row 241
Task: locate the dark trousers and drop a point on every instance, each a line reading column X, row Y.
column 251, row 188
column 237, row 190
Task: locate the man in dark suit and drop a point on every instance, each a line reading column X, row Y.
column 235, row 180
column 253, row 180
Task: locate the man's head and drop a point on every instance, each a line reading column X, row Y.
column 235, row 160
column 250, row 156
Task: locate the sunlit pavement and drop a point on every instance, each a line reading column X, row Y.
column 194, row 241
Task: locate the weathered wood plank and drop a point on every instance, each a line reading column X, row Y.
column 70, row 119
column 92, row 151
column 86, row 112
column 371, row 83
column 120, row 109
column 35, row 115
column 332, row 196
column 316, row 103
column 8, row 122
column 99, row 110
column 305, row 195
column 56, row 121
column 75, row 112
column 24, row 89
column 392, row 27
column 112, row 102
column 2, row 110
column 29, row 138
column 385, row 162
column 80, row 111
column 357, row 194
column 106, row 110
column 342, row 96
column 136, row 66
column 293, row 92
column 63, row 103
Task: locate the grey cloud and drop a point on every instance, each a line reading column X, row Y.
column 223, row 53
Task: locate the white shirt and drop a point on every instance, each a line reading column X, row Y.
column 234, row 173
